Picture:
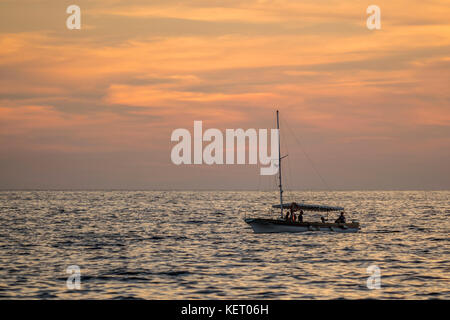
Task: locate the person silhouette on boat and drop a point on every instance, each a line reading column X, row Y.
column 341, row 218
column 288, row 216
column 300, row 216
column 291, row 216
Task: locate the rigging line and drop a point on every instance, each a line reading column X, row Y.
column 308, row 158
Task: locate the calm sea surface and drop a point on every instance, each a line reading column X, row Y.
column 195, row 245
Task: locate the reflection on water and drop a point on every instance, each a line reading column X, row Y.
column 183, row 245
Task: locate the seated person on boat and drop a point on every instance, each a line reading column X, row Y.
column 341, row 218
column 300, row 216
column 288, row 216
column 291, row 216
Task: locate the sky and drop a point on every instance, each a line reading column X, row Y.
column 95, row 108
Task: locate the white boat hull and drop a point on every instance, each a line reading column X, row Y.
column 276, row 226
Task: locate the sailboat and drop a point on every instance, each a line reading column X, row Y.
column 291, row 222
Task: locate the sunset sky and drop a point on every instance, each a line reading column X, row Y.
column 95, row 108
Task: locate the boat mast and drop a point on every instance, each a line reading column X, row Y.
column 279, row 166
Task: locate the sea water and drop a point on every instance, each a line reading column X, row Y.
column 195, row 245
